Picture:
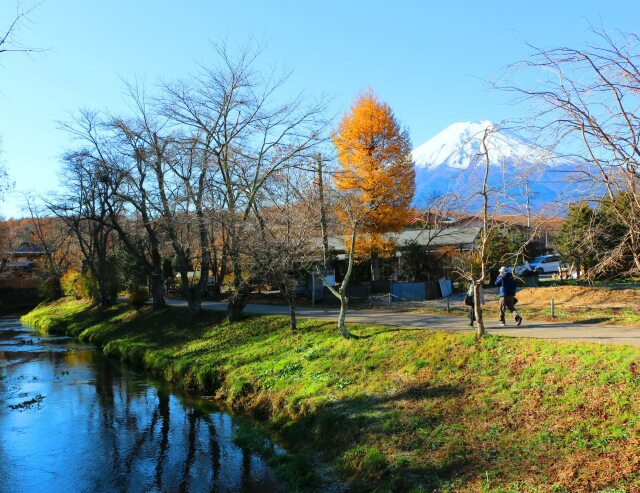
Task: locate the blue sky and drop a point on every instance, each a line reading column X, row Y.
column 428, row 60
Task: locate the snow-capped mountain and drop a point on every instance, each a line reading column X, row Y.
column 453, row 161
column 460, row 146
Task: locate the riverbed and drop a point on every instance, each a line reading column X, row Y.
column 73, row 420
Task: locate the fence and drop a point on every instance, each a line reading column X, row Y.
column 409, row 291
column 380, row 291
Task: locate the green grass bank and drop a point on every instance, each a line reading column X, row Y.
column 398, row 409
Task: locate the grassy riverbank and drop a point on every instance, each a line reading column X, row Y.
column 399, row 409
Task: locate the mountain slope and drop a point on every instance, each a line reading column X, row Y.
column 453, row 161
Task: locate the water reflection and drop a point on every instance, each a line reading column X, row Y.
column 71, row 420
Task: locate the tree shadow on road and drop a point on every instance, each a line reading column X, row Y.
column 589, row 321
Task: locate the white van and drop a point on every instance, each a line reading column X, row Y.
column 546, row 263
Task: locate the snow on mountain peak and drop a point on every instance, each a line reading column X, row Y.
column 460, row 145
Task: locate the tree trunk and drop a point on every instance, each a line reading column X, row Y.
column 477, row 308
column 194, row 304
column 341, row 293
column 323, row 216
column 234, row 256
column 219, row 271
column 293, row 322
column 157, row 291
column 375, row 266
column 240, row 298
column 105, row 300
column 344, row 301
column 184, row 277
column 237, row 303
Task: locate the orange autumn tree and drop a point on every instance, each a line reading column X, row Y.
column 378, row 174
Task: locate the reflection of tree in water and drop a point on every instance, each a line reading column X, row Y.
column 214, row 449
column 137, row 428
column 245, row 473
column 192, row 417
column 163, row 409
column 106, row 375
column 126, row 435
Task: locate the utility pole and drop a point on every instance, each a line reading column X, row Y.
column 323, row 214
column 526, row 187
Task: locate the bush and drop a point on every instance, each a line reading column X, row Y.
column 138, row 296
column 77, row 284
column 69, row 281
column 50, row 289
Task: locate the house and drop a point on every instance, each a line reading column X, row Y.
column 24, row 257
column 461, row 238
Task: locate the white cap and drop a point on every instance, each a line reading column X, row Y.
column 504, row 269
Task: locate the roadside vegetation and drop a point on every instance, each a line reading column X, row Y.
column 395, row 409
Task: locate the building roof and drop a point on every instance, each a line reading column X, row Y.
column 455, row 236
column 29, row 249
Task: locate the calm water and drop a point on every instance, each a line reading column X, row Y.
column 71, row 420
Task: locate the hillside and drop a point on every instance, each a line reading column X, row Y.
column 452, row 161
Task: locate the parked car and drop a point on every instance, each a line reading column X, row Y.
column 523, row 270
column 546, row 263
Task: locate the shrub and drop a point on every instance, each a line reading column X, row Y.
column 80, row 285
column 69, row 283
column 50, row 289
column 138, row 296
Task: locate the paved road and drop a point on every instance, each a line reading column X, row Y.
column 559, row 331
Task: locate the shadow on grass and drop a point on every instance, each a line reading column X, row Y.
column 385, row 330
column 355, row 431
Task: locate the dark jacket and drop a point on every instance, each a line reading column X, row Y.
column 507, row 284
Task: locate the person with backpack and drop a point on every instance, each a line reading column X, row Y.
column 507, row 284
column 469, row 300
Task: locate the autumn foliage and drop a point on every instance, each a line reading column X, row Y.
column 375, row 155
column 376, row 171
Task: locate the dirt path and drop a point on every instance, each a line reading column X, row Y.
column 603, row 334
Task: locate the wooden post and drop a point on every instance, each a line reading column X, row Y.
column 553, row 308
column 313, row 289
column 448, row 308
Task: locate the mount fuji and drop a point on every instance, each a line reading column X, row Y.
column 519, row 172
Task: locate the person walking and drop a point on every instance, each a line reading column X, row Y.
column 470, row 302
column 507, row 284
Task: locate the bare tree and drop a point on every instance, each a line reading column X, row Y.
column 352, row 216
column 10, row 28
column 478, row 279
column 588, row 99
column 137, row 222
column 283, row 247
column 5, row 182
column 125, row 157
column 55, row 239
column 84, row 207
column 191, row 170
column 322, row 205
column 244, row 137
column 476, row 265
column 9, row 43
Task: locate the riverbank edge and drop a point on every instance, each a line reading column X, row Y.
column 484, row 416
column 298, row 470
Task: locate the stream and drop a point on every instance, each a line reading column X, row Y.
column 73, row 420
